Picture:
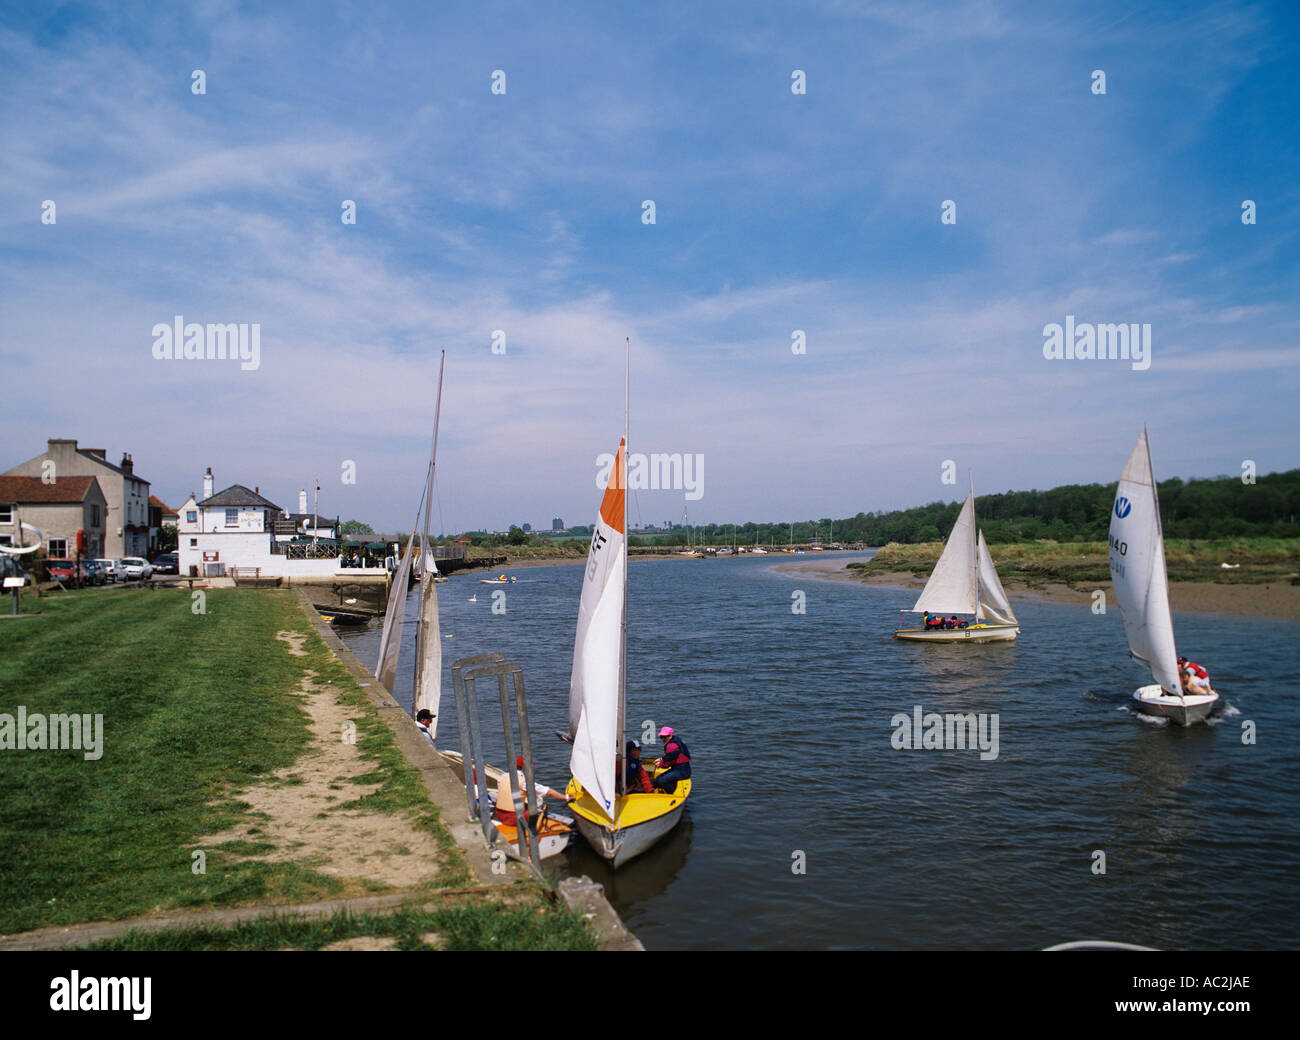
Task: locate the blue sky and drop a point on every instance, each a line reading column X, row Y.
column 774, row 212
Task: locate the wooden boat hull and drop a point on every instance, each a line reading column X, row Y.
column 1184, row 711
column 342, row 617
column 653, row 816
column 970, row 634
column 555, row 834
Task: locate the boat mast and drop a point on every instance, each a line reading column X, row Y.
column 622, row 672
column 433, row 458
column 426, row 579
column 975, row 543
column 1160, row 543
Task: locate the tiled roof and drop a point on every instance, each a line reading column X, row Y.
column 238, row 495
column 34, row 491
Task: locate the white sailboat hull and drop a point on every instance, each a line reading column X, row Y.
column 971, row 634
column 626, row 843
column 1185, row 711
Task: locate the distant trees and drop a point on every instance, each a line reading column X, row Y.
column 356, row 527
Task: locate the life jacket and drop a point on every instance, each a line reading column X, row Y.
column 676, row 753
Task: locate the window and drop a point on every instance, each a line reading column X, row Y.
column 57, row 547
column 232, row 517
column 94, row 516
column 191, row 516
column 6, row 513
column 193, row 542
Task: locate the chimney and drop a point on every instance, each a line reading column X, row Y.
column 207, row 483
column 302, row 501
column 127, row 467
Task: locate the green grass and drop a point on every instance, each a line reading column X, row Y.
column 1263, row 560
column 195, row 707
column 477, row 925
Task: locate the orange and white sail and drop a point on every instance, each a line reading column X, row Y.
column 596, row 684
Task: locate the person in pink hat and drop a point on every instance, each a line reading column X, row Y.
column 677, row 757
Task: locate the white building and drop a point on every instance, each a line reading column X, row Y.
column 236, row 530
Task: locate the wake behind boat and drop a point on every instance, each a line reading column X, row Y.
column 1141, row 583
column 964, row 581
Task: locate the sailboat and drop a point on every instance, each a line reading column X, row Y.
column 1141, row 584
column 690, row 551
column 427, row 691
column 964, row 581
column 618, row 825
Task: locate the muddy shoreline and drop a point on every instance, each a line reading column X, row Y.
column 1276, row 599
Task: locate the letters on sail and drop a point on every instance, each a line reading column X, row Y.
column 595, row 684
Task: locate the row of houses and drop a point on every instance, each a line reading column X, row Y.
column 82, row 504
column 85, row 506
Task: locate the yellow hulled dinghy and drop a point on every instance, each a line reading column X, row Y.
column 618, row 825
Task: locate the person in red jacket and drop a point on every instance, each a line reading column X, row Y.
column 676, row 757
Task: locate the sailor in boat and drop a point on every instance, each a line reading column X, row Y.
column 677, row 759
column 637, row 780
column 1196, row 680
column 506, row 796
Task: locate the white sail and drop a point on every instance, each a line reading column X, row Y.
column 994, row 605
column 1137, row 569
column 428, row 642
column 595, row 686
column 390, row 639
column 953, row 585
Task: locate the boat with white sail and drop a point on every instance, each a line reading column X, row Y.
column 617, row 824
column 427, row 693
column 963, row 582
column 1141, row 584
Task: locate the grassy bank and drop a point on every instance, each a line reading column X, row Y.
column 199, row 709
column 478, row 925
column 1261, row 560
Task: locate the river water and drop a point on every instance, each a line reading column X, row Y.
column 808, row 828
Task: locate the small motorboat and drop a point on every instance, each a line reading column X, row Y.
column 502, row 580
column 342, row 615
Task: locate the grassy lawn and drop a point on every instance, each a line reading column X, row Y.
column 473, row 926
column 1263, row 560
column 195, row 707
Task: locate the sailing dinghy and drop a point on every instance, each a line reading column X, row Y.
column 964, row 581
column 428, row 641
column 618, row 825
column 1141, row 584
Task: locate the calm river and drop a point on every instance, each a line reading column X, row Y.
column 788, row 717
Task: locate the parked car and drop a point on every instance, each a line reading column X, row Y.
column 110, row 569
column 167, row 563
column 135, row 567
column 65, row 572
column 93, row 573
